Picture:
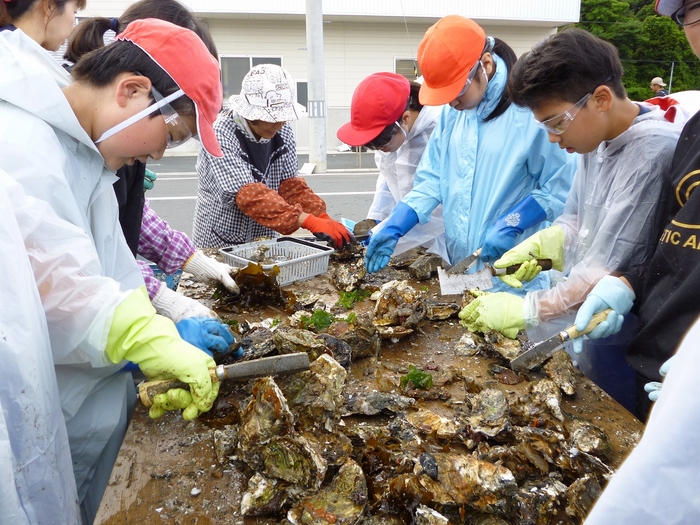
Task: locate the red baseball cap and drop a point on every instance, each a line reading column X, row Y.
column 378, row 101
column 449, row 50
column 183, row 56
column 668, row 7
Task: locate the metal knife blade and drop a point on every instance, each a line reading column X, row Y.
column 284, row 364
column 539, row 353
column 463, row 265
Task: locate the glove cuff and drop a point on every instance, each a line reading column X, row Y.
column 199, row 266
column 177, row 307
column 526, row 214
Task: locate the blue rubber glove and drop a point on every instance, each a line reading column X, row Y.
column 610, row 292
column 654, row 387
column 382, row 243
column 207, row 334
column 148, row 180
column 501, row 236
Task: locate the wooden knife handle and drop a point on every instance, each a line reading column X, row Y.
column 149, row 389
column 595, row 321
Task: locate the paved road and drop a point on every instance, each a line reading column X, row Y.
column 347, row 189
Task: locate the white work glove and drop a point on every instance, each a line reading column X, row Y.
column 177, row 307
column 205, row 268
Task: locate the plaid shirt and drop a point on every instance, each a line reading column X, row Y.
column 159, row 243
column 218, row 221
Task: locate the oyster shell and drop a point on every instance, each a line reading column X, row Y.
column 539, row 500
column 371, row 403
column 501, row 345
column 342, row 502
column 428, row 422
column 291, row 340
column 398, row 304
column 264, row 496
column 225, row 440
column 490, row 413
column 427, row 516
column 425, row 266
column 465, row 480
column 316, row 396
column 560, row 369
column 468, row 344
column 292, row 459
column 347, row 277
column 546, row 393
column 581, row 495
column 441, row 311
column 588, row 438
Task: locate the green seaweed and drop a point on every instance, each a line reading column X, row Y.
column 348, row 299
column 417, row 378
column 319, row 320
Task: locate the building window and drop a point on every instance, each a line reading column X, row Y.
column 407, row 67
column 235, row 68
column 303, row 93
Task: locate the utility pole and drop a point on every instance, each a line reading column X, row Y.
column 317, row 91
column 670, row 80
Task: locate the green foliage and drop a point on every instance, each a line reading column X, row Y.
column 417, row 377
column 319, row 320
column 348, row 299
column 649, row 45
column 352, row 318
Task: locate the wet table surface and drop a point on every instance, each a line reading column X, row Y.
column 167, row 470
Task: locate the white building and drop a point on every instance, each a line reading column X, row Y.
column 360, row 37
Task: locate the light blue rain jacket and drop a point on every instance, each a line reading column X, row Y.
column 479, row 170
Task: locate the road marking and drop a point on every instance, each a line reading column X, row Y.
column 330, row 194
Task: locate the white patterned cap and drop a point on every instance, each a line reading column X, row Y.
column 668, row 7
column 268, row 93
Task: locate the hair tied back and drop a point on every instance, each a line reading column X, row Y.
column 113, row 24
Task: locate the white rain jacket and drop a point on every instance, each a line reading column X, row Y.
column 37, row 484
column 479, row 170
column 658, row 482
column 612, row 217
column 396, row 173
column 43, row 147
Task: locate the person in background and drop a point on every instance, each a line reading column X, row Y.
column 664, row 291
column 96, row 306
column 657, row 86
column 572, row 81
column 253, row 190
column 146, row 233
column 488, row 164
column 386, row 116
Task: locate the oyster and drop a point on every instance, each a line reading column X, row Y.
column 465, row 480
column 393, row 332
column 468, row 344
column 427, row 465
column 257, row 343
column 581, row 495
column 225, row 441
column 547, row 393
column 342, row 351
column 316, row 396
column 490, row 414
column 291, row 340
column 430, row 423
column 427, row 516
column 347, row 277
column 342, row 502
column 560, row 369
column 267, row 415
column 264, row 496
column 499, row 344
column 441, row 311
column 425, row 266
column 398, row 304
column 371, row 403
column 590, row 439
column 292, row 459
column 539, row 500
column 333, row 447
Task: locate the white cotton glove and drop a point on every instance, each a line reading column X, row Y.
column 177, row 307
column 205, row 268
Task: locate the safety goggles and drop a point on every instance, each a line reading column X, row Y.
column 375, row 145
column 178, row 132
column 559, row 123
column 687, row 15
column 470, row 78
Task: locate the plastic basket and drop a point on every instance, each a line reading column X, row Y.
column 304, row 259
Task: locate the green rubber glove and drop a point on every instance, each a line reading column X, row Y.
column 545, row 244
column 149, row 179
column 494, row 311
column 139, row 335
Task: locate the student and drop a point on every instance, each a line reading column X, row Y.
column 146, row 233
column 386, row 116
column 35, row 462
column 253, row 190
column 572, row 82
column 97, row 309
column 665, row 289
column 486, row 162
column 47, row 22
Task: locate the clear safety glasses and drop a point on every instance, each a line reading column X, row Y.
column 559, row 123
column 178, row 132
column 471, row 76
column 687, row 15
